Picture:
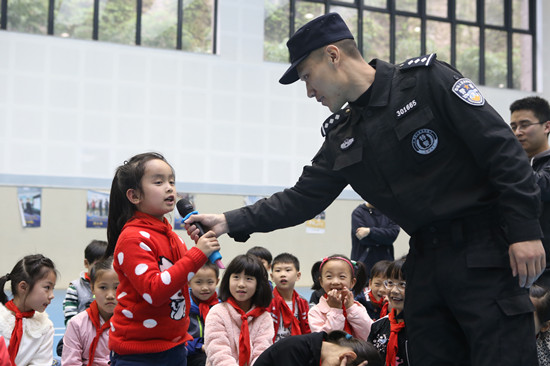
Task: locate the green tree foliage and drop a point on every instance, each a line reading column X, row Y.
column 74, row 18
column 28, row 16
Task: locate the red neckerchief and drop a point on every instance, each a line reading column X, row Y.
column 204, row 306
column 384, row 310
column 287, row 315
column 391, row 349
column 378, row 303
column 347, row 326
column 93, row 314
column 17, row 332
column 244, row 337
column 87, row 277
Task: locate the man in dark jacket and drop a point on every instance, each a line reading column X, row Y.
column 530, row 122
column 421, row 143
column 372, row 235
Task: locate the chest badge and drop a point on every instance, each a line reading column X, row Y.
column 347, row 143
column 424, row 141
column 466, row 90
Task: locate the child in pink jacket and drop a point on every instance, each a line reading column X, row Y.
column 240, row 328
column 87, row 337
column 337, row 309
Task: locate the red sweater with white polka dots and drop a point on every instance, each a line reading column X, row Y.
column 153, row 266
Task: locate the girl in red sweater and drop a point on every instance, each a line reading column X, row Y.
column 150, row 322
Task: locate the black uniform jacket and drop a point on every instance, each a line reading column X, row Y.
column 541, row 167
column 293, row 351
column 418, row 152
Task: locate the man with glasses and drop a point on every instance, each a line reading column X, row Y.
column 530, row 121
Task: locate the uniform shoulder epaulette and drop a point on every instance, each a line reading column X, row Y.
column 425, row 60
column 334, row 120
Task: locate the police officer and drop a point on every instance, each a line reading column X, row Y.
column 419, row 141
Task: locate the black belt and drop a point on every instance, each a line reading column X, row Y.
column 455, row 231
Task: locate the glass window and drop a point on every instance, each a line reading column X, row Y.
column 376, row 35
column 494, row 12
column 438, row 39
column 467, row 51
column 496, row 67
column 522, row 59
column 520, row 14
column 377, row 3
column 305, row 11
column 407, row 5
column 159, row 23
column 350, row 17
column 117, row 21
column 198, row 26
column 466, row 10
column 74, row 18
column 437, row 8
column 407, row 38
column 276, row 26
column 28, row 16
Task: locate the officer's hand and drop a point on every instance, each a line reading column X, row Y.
column 216, row 223
column 528, row 260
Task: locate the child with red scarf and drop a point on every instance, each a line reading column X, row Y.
column 240, row 328
column 202, row 290
column 86, row 340
column 288, row 309
column 26, row 328
column 388, row 334
column 373, row 297
column 337, row 309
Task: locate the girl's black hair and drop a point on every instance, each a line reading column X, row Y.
column 315, row 274
column 379, row 269
column 100, row 265
column 541, row 295
column 359, row 272
column 127, row 176
column 251, row 266
column 395, row 270
column 364, row 350
column 31, row 268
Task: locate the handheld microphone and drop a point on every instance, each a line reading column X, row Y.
column 185, row 208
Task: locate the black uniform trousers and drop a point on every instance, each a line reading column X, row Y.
column 467, row 309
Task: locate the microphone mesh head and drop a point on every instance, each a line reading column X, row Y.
column 184, row 207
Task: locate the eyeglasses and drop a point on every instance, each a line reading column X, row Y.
column 389, row 284
column 523, row 126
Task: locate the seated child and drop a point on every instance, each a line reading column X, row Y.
column 265, row 257
column 373, row 297
column 79, row 292
column 318, row 291
column 86, row 340
column 336, row 348
column 337, row 309
column 24, row 324
column 202, row 291
column 388, row 334
column 288, row 309
column 540, row 297
column 239, row 329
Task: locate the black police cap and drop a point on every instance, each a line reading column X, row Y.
column 319, row 32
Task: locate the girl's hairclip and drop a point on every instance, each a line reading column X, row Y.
column 348, row 336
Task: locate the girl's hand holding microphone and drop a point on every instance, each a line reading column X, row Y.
column 208, row 243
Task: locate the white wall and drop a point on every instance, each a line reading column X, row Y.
column 71, row 111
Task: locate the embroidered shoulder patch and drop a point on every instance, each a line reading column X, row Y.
column 466, row 90
column 334, row 120
column 425, row 60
